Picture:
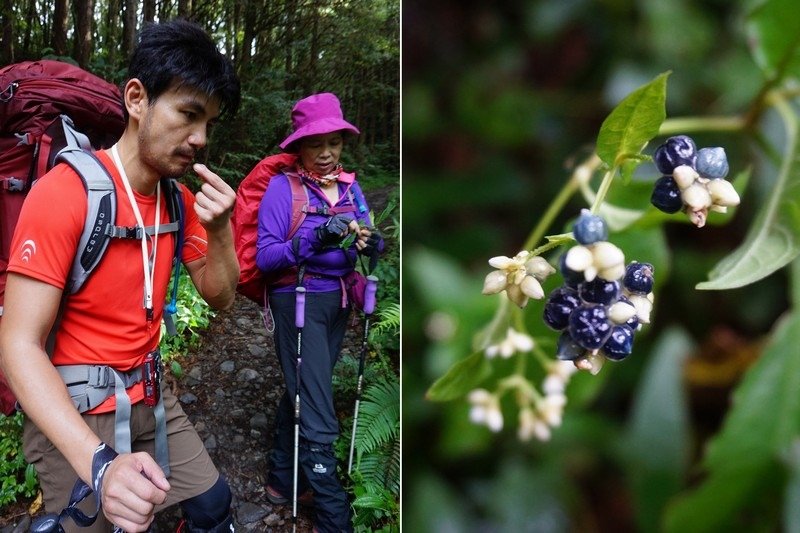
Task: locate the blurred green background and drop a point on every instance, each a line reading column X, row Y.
column 498, row 103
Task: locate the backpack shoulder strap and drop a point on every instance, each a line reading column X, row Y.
column 100, row 214
column 299, row 202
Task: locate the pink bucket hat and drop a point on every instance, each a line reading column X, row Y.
column 317, row 114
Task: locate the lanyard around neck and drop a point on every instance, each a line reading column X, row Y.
column 148, row 263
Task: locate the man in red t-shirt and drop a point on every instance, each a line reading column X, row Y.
column 179, row 85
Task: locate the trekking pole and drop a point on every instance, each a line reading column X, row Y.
column 299, row 322
column 369, row 307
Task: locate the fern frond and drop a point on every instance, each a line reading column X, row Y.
column 379, row 415
column 389, row 318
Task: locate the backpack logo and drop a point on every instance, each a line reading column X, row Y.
column 28, row 250
column 319, row 468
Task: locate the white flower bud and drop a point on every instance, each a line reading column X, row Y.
column 531, row 287
column 718, row 209
column 520, row 341
column 515, row 294
column 480, row 396
column 607, row 255
column 552, row 409
column 495, row 281
column 612, row 273
column 527, row 419
column 563, row 369
column 643, row 307
column 539, row 267
column 722, row 193
column 502, row 262
column 684, row 176
column 621, row 312
column 477, row 414
column 554, row 384
column 494, row 418
column 541, row 431
column 590, row 273
column 579, row 258
column 696, row 197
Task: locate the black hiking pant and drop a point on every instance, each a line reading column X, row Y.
column 322, row 336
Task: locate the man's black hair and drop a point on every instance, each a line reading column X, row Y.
column 180, row 52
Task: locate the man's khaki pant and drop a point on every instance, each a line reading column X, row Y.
column 192, row 471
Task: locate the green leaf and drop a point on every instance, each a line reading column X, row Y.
column 634, row 121
column 657, row 465
column 791, row 498
column 774, row 36
column 744, row 460
column 460, row 379
column 774, row 236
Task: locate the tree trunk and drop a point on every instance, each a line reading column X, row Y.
column 148, row 10
column 184, row 8
column 33, row 17
column 111, row 36
column 129, row 28
column 7, row 33
column 82, row 48
column 310, row 74
column 59, row 37
column 291, row 20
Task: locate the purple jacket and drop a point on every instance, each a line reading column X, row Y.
column 274, row 251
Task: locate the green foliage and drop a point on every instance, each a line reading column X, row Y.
column 376, row 477
column 744, row 461
column 656, row 432
column 17, row 477
column 193, row 316
column 633, row 123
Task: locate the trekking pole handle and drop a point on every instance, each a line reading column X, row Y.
column 369, row 294
column 299, row 306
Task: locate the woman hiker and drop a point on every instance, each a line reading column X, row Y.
column 336, row 209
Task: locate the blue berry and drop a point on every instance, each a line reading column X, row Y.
column 676, row 151
column 638, row 277
column 589, row 326
column 567, row 349
column 589, row 228
column 571, row 278
column 712, row 163
column 619, row 344
column 666, row 195
column 560, row 304
column 599, row 291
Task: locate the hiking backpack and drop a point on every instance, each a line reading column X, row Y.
column 52, row 112
column 253, row 283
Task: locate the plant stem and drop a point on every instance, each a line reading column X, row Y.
column 605, row 185
column 672, row 126
column 558, row 203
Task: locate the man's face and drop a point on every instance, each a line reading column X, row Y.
column 320, row 153
column 174, row 127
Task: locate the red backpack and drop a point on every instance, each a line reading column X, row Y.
column 252, row 282
column 40, row 102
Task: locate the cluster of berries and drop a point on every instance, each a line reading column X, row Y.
column 598, row 309
column 693, row 180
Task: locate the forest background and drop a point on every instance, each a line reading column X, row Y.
column 282, row 51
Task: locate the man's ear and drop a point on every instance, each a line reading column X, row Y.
column 135, row 96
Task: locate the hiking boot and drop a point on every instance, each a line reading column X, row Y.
column 276, row 498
